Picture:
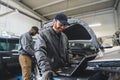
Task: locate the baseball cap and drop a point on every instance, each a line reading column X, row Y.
column 62, row 18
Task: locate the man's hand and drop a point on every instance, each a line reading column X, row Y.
column 47, row 75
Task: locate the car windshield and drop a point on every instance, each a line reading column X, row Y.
column 82, row 46
column 8, row 44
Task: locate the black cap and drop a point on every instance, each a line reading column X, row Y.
column 62, row 18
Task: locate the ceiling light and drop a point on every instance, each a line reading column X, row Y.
column 9, row 13
column 95, row 25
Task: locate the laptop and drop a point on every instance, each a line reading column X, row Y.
column 79, row 67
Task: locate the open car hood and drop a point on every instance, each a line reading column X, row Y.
column 78, row 31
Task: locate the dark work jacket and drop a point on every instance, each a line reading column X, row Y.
column 50, row 49
column 26, row 44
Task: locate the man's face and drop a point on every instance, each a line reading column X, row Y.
column 58, row 26
column 33, row 32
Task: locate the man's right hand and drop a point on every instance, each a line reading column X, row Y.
column 47, row 75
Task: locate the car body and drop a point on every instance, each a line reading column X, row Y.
column 109, row 63
column 9, row 63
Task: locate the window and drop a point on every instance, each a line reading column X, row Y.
column 9, row 44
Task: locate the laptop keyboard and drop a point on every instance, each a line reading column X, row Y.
column 66, row 72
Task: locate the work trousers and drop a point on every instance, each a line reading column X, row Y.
column 26, row 66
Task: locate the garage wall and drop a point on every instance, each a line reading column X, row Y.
column 105, row 18
column 15, row 23
column 119, row 14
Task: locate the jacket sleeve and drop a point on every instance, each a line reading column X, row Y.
column 67, row 50
column 40, row 54
column 26, row 44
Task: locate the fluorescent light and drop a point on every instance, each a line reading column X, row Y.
column 9, row 13
column 95, row 25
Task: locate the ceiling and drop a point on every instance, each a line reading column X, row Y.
column 44, row 10
column 48, row 8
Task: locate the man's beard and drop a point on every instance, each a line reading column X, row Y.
column 32, row 34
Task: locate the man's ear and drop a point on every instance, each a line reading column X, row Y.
column 54, row 20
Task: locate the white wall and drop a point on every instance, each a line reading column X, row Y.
column 106, row 18
column 119, row 14
column 16, row 23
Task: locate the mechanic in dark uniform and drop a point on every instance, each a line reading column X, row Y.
column 50, row 47
column 26, row 51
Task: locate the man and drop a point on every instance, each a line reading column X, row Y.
column 26, row 51
column 50, row 47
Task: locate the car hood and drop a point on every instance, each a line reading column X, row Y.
column 79, row 31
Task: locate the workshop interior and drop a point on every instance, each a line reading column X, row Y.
column 92, row 32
